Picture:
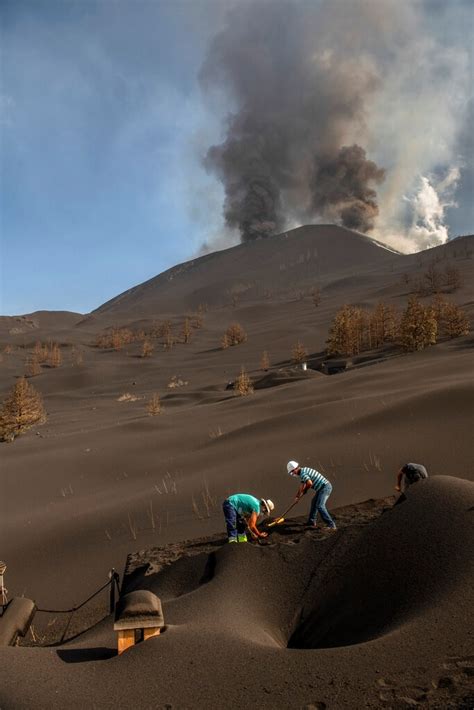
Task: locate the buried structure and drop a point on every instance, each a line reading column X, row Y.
column 376, row 616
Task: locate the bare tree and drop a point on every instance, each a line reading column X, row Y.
column 452, row 278
column 265, row 361
column 33, row 367
column 455, row 321
column 348, row 331
column 186, row 331
column 418, row 326
column 382, row 325
column 54, row 357
column 234, row 335
column 22, row 408
column 243, row 384
column 154, row 405
column 433, row 279
column 299, row 353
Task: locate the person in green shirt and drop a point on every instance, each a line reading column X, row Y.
column 241, row 511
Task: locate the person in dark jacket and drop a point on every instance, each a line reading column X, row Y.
column 410, row 473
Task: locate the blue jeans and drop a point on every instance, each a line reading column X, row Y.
column 319, row 504
column 236, row 525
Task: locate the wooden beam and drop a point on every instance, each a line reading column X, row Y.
column 126, row 638
column 148, row 633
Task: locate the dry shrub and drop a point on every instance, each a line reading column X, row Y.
column 206, row 500
column 186, row 331
column 8, row 349
column 176, row 382
column 77, row 356
column 41, row 352
column 21, row 409
column 114, row 338
column 147, row 349
column 216, row 433
column 243, row 384
column 33, row 367
column 234, row 335
column 197, row 321
column 127, row 397
column 169, row 341
column 154, row 405
column 316, row 296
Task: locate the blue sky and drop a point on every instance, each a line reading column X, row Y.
column 100, row 148
column 103, row 130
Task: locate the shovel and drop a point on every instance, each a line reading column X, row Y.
column 280, row 520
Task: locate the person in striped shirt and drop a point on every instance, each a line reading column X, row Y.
column 322, row 490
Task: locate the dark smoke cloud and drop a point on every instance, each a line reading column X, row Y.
column 341, row 186
column 298, row 76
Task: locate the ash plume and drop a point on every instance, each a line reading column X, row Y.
column 341, row 186
column 289, row 146
column 325, row 117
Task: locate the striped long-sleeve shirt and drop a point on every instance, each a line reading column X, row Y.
column 309, row 474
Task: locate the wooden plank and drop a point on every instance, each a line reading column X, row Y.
column 148, row 633
column 126, row 639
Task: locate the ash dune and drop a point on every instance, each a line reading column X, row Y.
column 101, row 479
column 302, row 621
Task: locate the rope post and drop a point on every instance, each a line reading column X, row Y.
column 3, row 591
column 114, row 582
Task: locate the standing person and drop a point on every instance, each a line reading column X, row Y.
column 322, row 490
column 241, row 511
column 411, row 473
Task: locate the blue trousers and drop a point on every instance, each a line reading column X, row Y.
column 236, row 525
column 318, row 504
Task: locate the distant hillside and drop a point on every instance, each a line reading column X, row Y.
column 31, row 322
column 297, row 259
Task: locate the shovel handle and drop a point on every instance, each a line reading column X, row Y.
column 281, row 518
column 288, row 509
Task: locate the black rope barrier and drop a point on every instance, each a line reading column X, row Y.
column 75, row 608
column 113, row 582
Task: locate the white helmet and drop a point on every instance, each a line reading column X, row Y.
column 268, row 505
column 291, row 466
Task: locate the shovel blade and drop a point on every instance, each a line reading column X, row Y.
column 277, row 521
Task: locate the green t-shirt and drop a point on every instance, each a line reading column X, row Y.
column 245, row 504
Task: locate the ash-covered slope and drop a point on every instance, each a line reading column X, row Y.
column 30, row 323
column 374, row 616
column 297, row 259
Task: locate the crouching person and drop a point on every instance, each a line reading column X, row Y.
column 410, row 473
column 241, row 511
